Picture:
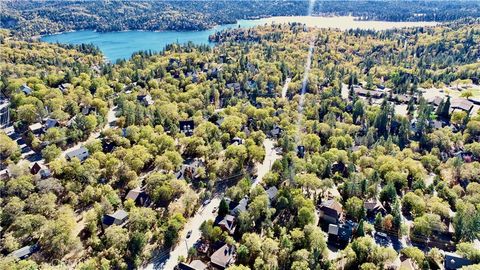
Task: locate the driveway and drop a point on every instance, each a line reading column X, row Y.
column 270, row 157
column 181, row 249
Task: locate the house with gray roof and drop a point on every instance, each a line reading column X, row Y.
column 25, row 89
column 82, row 154
column 241, row 207
column 461, row 104
column 118, row 218
column 24, row 252
column 272, row 193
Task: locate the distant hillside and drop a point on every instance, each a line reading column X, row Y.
column 30, row 18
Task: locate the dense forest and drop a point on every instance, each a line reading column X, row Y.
column 30, row 18
column 162, row 135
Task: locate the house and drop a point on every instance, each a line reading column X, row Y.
column 81, row 153
column 373, row 207
column 241, row 207
column 186, row 127
column 4, row 112
column 237, row 141
column 454, row 261
column 408, row 264
column 50, row 123
column 71, row 121
column 35, row 168
column 223, row 257
column 435, row 101
column 475, row 101
column 340, row 234
column 401, row 98
column 146, row 100
column 87, row 109
column 25, row 252
column 235, row 86
column 193, row 265
column 139, row 196
column 190, row 170
column 276, row 132
column 45, row 173
column 25, row 89
column 461, row 104
column 368, row 93
column 64, row 87
column 331, row 211
column 227, row 224
column 272, row 193
column 117, row 218
column 36, row 128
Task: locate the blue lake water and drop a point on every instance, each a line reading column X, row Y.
column 121, row 45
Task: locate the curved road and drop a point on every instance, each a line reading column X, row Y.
column 168, row 260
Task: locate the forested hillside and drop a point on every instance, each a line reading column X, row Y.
column 162, row 136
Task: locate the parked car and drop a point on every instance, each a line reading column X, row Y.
column 207, row 201
column 214, row 209
column 189, row 233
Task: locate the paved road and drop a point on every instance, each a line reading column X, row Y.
column 163, row 260
column 270, row 156
column 203, row 214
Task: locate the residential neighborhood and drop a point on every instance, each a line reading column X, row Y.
column 277, row 146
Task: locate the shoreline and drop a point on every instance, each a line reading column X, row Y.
column 269, row 19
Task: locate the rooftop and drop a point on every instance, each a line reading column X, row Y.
column 224, row 256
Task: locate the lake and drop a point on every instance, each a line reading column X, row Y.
column 121, row 45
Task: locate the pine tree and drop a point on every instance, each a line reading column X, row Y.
column 369, row 81
column 446, row 109
column 378, row 220
column 223, row 208
column 439, row 110
column 361, row 229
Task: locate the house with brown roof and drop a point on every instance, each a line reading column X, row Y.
column 193, row 265
column 373, row 207
column 227, row 224
column 223, row 257
column 331, row 211
column 368, row 93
